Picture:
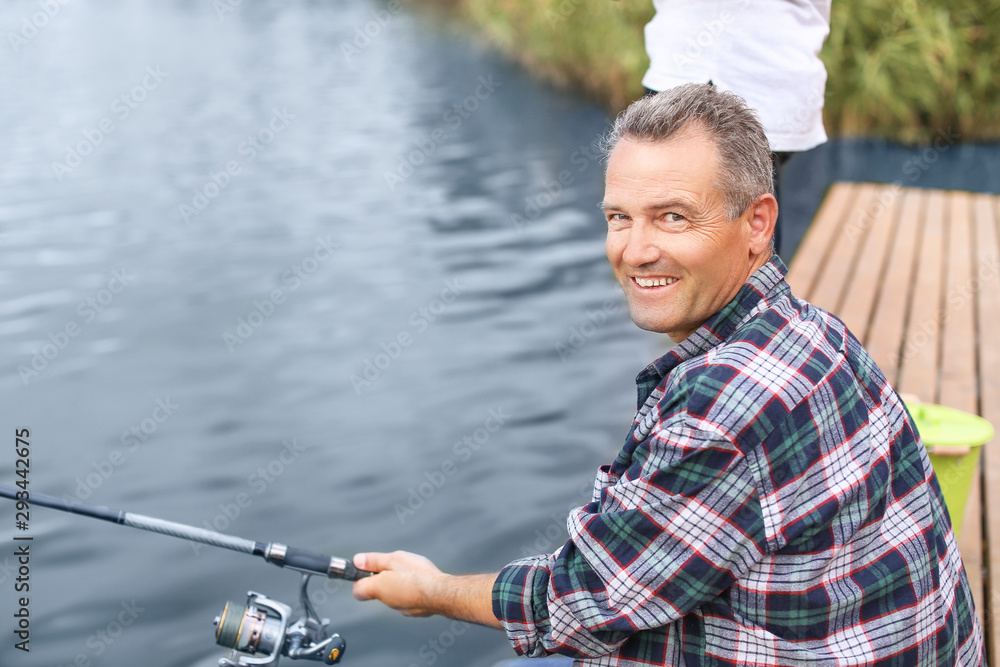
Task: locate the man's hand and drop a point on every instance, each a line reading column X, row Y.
column 414, row 586
column 408, row 583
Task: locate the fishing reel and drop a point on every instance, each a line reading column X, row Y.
column 259, row 633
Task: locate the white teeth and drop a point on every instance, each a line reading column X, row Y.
column 655, row 282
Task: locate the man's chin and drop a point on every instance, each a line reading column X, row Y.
column 656, row 323
column 649, row 322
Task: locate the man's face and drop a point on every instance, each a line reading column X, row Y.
column 673, row 250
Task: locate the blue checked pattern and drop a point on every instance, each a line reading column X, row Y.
column 772, row 505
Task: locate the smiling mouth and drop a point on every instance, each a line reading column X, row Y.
column 649, row 283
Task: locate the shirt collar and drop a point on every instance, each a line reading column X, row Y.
column 766, row 284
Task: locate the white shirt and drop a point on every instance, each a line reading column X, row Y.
column 765, row 51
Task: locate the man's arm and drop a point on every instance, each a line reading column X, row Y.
column 674, row 531
column 414, row 586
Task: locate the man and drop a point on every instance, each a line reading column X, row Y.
column 772, row 504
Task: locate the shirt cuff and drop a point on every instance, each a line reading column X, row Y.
column 520, row 603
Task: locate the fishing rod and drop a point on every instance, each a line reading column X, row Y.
column 260, row 631
column 279, row 554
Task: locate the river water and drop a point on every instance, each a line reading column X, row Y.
column 265, row 273
column 260, row 274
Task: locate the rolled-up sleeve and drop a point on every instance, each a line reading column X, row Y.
column 520, row 602
column 677, row 528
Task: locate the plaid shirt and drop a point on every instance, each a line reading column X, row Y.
column 772, row 505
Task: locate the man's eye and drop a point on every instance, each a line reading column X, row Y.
column 674, row 217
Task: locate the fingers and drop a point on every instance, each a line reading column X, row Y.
column 365, row 589
column 402, row 583
column 397, row 560
column 368, row 588
column 373, row 562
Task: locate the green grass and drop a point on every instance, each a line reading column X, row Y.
column 907, row 70
column 594, row 46
column 904, row 70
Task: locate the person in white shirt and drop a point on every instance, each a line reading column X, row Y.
column 765, row 51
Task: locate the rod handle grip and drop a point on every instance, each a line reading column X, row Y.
column 352, row 573
column 307, row 561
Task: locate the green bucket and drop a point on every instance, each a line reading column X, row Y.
column 953, row 439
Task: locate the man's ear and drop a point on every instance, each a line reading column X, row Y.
column 761, row 223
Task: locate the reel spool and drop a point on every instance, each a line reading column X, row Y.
column 259, row 633
column 249, row 629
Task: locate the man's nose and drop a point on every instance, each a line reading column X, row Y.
column 641, row 247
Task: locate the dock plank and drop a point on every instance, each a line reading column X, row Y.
column 958, row 368
column 920, row 352
column 986, row 214
column 830, row 287
column 811, row 254
column 885, row 336
column 872, row 256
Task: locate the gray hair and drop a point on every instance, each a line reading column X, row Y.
column 745, row 167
